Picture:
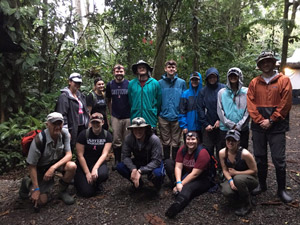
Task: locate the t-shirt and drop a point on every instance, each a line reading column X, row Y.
column 97, row 106
column 118, row 92
column 93, row 145
column 189, row 162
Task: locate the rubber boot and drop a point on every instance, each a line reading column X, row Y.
column 174, row 152
column 117, row 153
column 262, row 177
column 177, row 206
column 24, row 189
column 281, row 182
column 166, row 150
column 245, row 208
column 63, row 194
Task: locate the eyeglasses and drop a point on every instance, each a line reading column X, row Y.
column 138, row 122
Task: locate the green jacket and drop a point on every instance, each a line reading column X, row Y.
column 145, row 101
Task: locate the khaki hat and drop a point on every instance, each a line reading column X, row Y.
column 55, row 116
column 141, row 62
column 138, row 122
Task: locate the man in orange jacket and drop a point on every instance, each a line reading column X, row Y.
column 269, row 101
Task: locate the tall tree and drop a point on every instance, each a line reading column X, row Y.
column 288, row 26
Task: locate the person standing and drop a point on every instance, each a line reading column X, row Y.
column 232, row 107
column 207, row 111
column 119, row 108
column 171, row 87
column 188, row 117
column 96, row 100
column 72, row 105
column 269, row 101
column 144, row 94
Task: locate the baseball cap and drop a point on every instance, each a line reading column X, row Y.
column 55, row 116
column 76, row 77
column 234, row 134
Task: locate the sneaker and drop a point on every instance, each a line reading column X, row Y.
column 66, row 198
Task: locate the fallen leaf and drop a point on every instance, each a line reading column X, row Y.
column 294, row 204
column 5, row 213
column 288, row 137
column 245, row 221
column 70, row 218
column 288, row 188
column 216, row 207
column 154, row 220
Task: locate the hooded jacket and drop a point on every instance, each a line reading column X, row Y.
column 68, row 106
column 171, row 91
column 188, row 117
column 145, row 101
column 207, row 100
column 270, row 101
column 232, row 106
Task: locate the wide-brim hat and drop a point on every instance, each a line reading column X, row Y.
column 234, row 134
column 265, row 55
column 138, row 122
column 141, row 62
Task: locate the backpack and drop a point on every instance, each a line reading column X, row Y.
column 28, row 138
column 213, row 164
column 87, row 132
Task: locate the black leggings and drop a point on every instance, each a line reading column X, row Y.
column 191, row 189
column 83, row 187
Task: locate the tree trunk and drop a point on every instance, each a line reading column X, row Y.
column 160, row 48
column 288, row 27
column 195, row 37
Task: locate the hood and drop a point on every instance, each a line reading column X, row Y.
column 164, row 77
column 68, row 92
column 212, row 70
column 239, row 73
column 200, row 83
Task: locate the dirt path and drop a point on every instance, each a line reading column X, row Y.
column 119, row 205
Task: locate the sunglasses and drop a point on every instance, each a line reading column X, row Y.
column 191, row 134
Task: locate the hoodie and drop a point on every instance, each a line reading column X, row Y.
column 207, row 100
column 188, row 117
column 232, row 106
column 68, row 106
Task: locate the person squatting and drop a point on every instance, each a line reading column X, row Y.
column 213, row 117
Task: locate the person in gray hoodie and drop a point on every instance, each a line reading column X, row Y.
column 232, row 107
column 72, row 105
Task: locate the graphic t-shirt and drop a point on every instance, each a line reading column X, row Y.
column 93, row 145
column 118, row 92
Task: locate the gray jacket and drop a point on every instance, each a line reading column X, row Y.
column 147, row 155
column 68, row 106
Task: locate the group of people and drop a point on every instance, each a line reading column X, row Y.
column 214, row 120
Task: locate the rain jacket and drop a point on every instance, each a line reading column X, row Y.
column 171, row 93
column 232, row 106
column 270, row 101
column 207, row 100
column 145, row 101
column 68, row 106
column 188, row 117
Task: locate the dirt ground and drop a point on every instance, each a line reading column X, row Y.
column 120, row 205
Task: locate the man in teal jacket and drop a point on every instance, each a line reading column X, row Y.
column 144, row 94
column 171, row 88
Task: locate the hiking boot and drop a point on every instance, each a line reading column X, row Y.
column 63, row 194
column 243, row 211
column 66, row 198
column 259, row 189
column 173, row 210
column 24, row 189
